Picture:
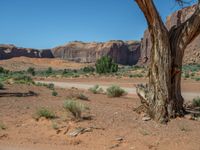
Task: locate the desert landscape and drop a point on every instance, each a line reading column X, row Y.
column 116, row 94
column 107, row 123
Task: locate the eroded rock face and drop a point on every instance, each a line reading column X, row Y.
column 192, row 52
column 10, row 51
column 125, row 53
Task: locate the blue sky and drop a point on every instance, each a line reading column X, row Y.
column 49, row 23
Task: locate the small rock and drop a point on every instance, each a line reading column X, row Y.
column 146, row 118
column 119, row 139
column 189, row 117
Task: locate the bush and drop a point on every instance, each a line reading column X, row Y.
column 82, row 97
column 96, row 89
column 23, row 79
column 88, row 69
column 2, row 126
column 1, row 86
column 197, row 78
column 50, row 86
column 196, row 102
column 45, row 112
column 54, row 93
column 115, row 91
column 4, row 71
column 31, row 71
column 106, row 65
column 49, row 71
column 74, row 107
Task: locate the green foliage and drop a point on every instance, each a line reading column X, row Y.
column 54, row 93
column 2, row 126
column 88, row 69
column 50, row 86
column 31, row 71
column 3, row 71
column 74, row 107
column 49, row 71
column 106, row 65
column 115, row 91
column 82, row 96
column 23, row 79
column 196, row 102
column 55, row 126
column 1, row 86
column 45, row 112
column 197, row 78
column 96, row 89
column 136, row 76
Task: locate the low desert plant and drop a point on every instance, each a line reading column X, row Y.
column 50, row 86
column 45, row 112
column 31, row 71
column 196, row 102
column 23, row 79
column 115, row 91
column 2, row 126
column 96, row 89
column 1, row 86
column 55, row 126
column 54, row 93
column 82, row 96
column 88, row 69
column 74, row 107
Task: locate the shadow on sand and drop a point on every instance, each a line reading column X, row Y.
column 17, row 94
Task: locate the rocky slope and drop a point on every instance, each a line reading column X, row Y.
column 192, row 52
column 10, row 51
column 125, row 53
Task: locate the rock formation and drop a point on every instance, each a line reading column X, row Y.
column 125, row 53
column 10, row 51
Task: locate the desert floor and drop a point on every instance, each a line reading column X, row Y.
column 113, row 123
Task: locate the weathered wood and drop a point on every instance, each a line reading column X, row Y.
column 162, row 96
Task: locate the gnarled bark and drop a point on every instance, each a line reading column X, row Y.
column 162, row 95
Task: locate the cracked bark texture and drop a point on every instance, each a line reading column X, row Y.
column 162, row 95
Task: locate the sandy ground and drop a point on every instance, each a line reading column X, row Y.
column 23, row 63
column 188, row 96
column 114, row 119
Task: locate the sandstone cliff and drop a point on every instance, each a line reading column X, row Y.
column 125, row 53
column 192, row 52
column 10, row 51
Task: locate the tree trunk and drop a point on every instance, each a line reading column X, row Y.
column 162, row 95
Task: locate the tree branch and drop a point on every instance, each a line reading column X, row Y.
column 150, row 12
column 189, row 30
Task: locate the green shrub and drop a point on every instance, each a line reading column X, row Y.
column 197, row 78
column 196, row 102
column 2, row 126
column 82, row 97
column 88, row 69
column 50, row 86
column 49, row 71
column 74, row 107
column 115, row 91
column 45, row 112
column 106, row 65
column 136, row 76
column 3, row 71
column 1, row 86
column 23, row 79
column 31, row 71
column 54, row 93
column 96, row 89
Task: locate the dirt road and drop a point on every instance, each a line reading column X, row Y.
column 188, row 96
